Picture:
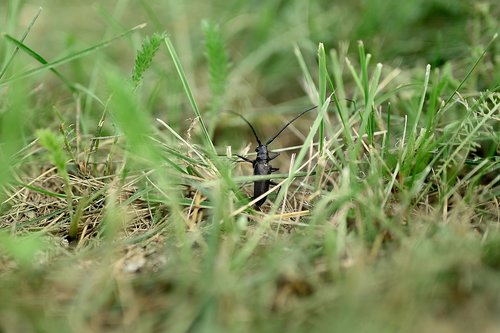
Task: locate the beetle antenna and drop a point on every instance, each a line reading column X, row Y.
column 249, row 124
column 291, row 121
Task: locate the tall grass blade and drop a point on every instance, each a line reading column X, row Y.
column 12, row 130
column 187, row 89
column 40, row 59
column 369, row 108
column 323, row 74
column 310, row 85
column 23, row 37
column 478, row 60
column 70, row 57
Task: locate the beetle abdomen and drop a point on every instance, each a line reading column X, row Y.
column 261, row 186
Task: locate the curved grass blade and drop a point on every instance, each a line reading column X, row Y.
column 323, row 74
column 313, row 92
column 11, row 58
column 70, row 57
column 478, row 60
column 20, row 45
column 189, row 93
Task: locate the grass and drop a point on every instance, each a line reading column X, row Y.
column 123, row 207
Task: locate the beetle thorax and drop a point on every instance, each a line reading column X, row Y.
column 262, row 154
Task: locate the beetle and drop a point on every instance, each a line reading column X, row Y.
column 261, row 165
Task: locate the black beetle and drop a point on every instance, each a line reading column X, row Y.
column 261, row 164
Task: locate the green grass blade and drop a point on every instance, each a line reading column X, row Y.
column 28, row 29
column 12, row 130
column 40, row 59
column 363, row 62
column 323, row 74
column 310, row 85
column 409, row 149
column 388, row 133
column 478, row 60
column 369, row 108
column 70, row 57
column 42, row 190
column 422, row 99
column 337, row 72
column 354, row 75
column 187, row 89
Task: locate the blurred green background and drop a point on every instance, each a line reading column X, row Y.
column 260, row 38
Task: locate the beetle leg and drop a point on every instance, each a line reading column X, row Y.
column 274, row 169
column 245, row 159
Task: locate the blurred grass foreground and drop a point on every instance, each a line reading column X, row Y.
column 124, row 208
